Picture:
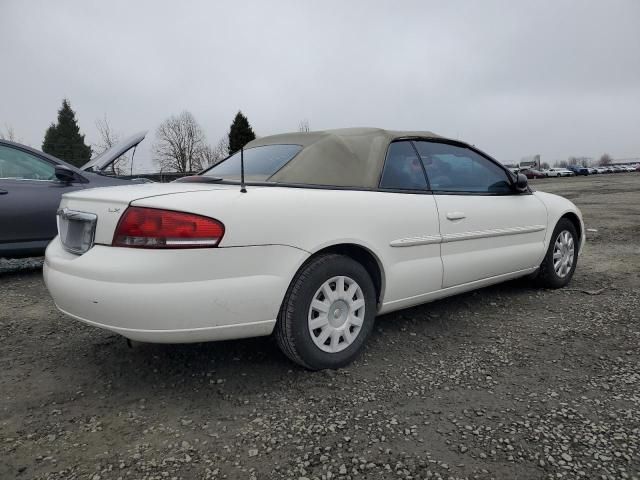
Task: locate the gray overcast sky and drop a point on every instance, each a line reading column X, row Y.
column 557, row 78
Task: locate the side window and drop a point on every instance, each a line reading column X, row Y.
column 457, row 169
column 21, row 165
column 402, row 168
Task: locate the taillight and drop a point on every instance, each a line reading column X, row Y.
column 153, row 228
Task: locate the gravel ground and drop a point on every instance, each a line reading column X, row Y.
column 22, row 265
column 506, row 382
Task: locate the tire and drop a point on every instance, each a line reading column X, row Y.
column 294, row 329
column 548, row 275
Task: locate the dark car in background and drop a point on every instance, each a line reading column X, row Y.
column 533, row 173
column 31, row 184
column 578, row 169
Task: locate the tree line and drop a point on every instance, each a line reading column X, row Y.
column 180, row 144
column 604, row 160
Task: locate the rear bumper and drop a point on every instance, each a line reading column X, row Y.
column 187, row 335
column 173, row 296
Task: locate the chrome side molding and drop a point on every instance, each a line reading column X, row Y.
column 458, row 237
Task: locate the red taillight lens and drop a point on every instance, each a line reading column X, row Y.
column 152, row 228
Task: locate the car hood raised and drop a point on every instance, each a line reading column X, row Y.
column 106, row 158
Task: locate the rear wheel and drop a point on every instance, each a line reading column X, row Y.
column 559, row 263
column 327, row 314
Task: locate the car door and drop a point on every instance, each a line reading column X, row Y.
column 29, row 197
column 412, row 231
column 488, row 229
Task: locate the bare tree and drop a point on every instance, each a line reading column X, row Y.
column 222, row 147
column 216, row 153
column 562, row 164
column 8, row 134
column 180, row 144
column 107, row 139
column 208, row 156
column 303, row 126
column 545, row 166
column 572, row 161
column 605, row 159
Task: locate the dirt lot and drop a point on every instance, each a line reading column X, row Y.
column 507, row 382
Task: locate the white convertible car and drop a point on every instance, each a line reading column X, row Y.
column 308, row 236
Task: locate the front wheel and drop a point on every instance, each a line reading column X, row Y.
column 327, row 313
column 559, row 264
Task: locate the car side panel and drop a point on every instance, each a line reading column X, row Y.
column 488, row 236
column 400, row 229
column 28, row 209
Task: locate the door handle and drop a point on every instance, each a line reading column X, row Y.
column 3, row 192
column 455, row 216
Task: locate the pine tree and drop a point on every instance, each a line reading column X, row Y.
column 240, row 133
column 63, row 140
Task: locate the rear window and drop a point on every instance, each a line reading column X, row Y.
column 260, row 163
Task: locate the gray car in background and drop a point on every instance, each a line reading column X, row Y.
column 31, row 184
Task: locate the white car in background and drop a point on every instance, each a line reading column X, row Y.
column 329, row 230
column 559, row 172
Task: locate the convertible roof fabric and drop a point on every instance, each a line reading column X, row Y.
column 348, row 157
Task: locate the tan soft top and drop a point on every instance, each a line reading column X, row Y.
column 347, row 157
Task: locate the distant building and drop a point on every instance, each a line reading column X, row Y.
column 625, row 161
column 530, row 162
column 585, row 161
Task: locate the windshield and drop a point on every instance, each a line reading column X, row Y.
column 260, row 163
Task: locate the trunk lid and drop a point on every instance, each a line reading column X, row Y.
column 109, row 203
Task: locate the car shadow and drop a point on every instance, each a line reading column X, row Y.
column 230, row 369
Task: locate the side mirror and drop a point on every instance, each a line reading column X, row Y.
column 65, row 174
column 521, row 182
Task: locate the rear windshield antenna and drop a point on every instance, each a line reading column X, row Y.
column 243, row 187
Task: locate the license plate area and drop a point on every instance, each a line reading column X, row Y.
column 76, row 230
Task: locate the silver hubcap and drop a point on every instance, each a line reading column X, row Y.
column 563, row 253
column 336, row 314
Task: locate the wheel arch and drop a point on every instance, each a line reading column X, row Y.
column 559, row 208
column 575, row 220
column 361, row 254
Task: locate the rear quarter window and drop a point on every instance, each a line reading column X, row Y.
column 260, row 163
column 402, row 168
